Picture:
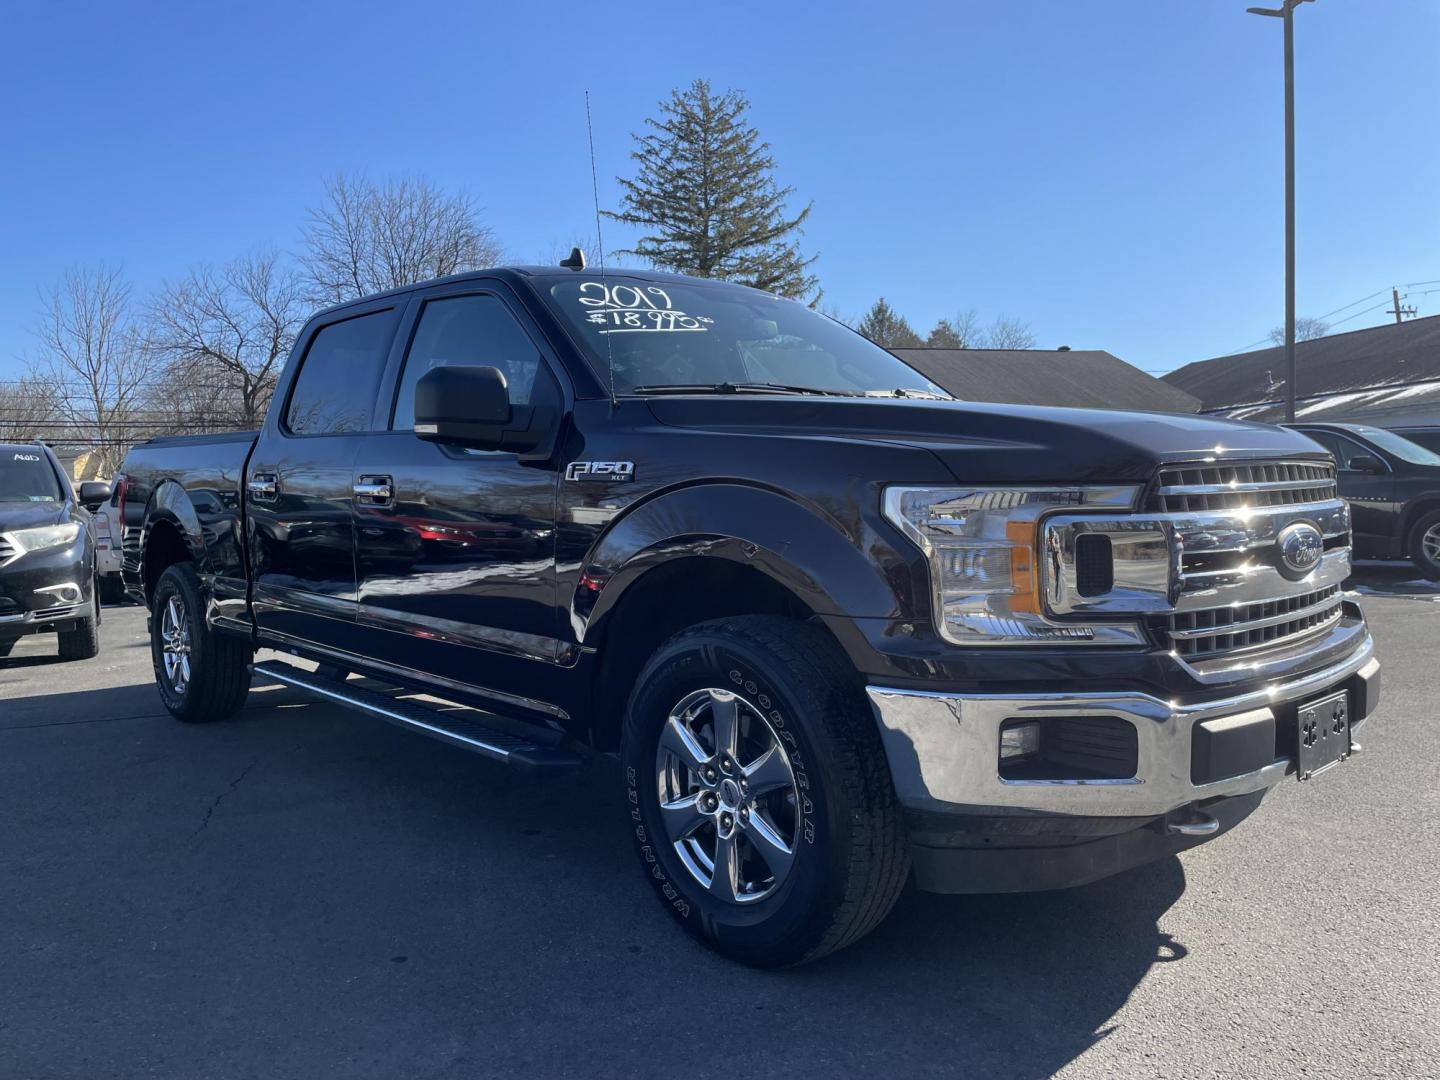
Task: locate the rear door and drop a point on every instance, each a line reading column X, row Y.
column 456, row 547
column 298, row 487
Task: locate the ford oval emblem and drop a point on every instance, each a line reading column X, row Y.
column 1300, row 546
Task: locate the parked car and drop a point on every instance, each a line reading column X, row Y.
column 1427, row 436
column 109, row 548
column 47, row 552
column 837, row 626
column 1393, row 487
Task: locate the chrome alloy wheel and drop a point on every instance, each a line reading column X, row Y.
column 727, row 795
column 1430, row 544
column 175, row 643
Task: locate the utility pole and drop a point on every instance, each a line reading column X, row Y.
column 1398, row 311
column 1287, row 12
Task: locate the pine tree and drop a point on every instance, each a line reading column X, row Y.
column 887, row 328
column 705, row 190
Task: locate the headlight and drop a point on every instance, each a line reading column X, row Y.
column 25, row 541
column 984, row 555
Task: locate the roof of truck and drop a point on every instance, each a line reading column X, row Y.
column 530, row 271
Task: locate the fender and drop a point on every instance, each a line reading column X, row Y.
column 171, row 503
column 796, row 545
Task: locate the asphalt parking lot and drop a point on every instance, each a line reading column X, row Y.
column 304, row 892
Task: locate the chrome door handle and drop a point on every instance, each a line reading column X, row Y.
column 264, row 487
column 373, row 490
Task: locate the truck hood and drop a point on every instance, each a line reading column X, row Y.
column 15, row 514
column 987, row 443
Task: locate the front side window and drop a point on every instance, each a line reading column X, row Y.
column 1400, row 446
column 27, row 476
column 657, row 334
column 474, row 331
column 340, row 376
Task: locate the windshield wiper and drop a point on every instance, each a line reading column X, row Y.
column 735, row 388
column 909, row 392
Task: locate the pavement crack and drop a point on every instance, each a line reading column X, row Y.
column 215, row 803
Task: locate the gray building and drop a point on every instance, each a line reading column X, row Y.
column 1083, row 378
column 1386, row 375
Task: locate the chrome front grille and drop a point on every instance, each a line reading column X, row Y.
column 1209, row 632
column 1187, row 488
column 7, row 551
column 1199, row 563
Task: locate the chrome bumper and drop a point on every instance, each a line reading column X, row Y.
column 944, row 749
column 26, row 621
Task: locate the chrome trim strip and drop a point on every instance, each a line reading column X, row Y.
column 1240, row 488
column 944, row 748
column 1257, row 582
column 1334, row 600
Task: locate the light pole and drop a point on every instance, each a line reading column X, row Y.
column 1287, row 12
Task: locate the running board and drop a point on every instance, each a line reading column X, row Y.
column 459, row 727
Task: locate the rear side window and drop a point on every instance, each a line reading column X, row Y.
column 473, row 330
column 340, row 375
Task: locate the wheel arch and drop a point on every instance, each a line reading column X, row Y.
column 711, row 551
column 171, row 533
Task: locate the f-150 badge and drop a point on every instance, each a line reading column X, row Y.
column 601, row 471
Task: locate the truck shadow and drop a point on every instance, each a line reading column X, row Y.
column 385, row 899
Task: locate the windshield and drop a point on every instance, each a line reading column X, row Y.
column 26, row 476
column 674, row 334
column 1400, row 446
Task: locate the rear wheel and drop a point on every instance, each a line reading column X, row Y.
column 83, row 643
column 1424, row 545
column 202, row 675
column 761, row 804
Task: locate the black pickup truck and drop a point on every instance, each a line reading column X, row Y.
column 841, row 630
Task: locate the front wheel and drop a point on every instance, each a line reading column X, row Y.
column 1425, row 545
column 82, row 643
column 202, row 675
column 760, row 801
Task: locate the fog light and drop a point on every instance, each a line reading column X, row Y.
column 65, row 594
column 1019, row 740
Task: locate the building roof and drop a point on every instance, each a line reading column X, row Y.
column 1394, row 356
column 1084, row 378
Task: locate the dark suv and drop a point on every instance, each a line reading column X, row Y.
column 47, row 553
column 1393, row 487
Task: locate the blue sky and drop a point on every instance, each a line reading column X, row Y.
column 1109, row 170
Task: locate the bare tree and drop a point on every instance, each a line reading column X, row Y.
column 960, row 331
column 369, row 237
column 92, row 362
column 1008, row 333
column 27, row 410
column 1306, row 329
column 222, row 337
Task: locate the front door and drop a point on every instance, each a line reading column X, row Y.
column 456, row 547
column 1371, row 495
column 300, row 481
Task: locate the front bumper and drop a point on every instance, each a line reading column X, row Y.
column 944, row 748
column 47, row 591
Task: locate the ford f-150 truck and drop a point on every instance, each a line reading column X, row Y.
column 841, row 629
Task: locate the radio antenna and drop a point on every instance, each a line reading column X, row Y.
column 600, row 248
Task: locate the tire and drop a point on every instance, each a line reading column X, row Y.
column 83, row 643
column 208, row 674
column 6, row 646
column 793, row 690
column 1427, row 527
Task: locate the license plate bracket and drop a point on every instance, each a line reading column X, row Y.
column 1322, row 736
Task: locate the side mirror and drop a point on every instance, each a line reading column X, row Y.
column 93, row 494
column 1367, row 463
column 470, row 405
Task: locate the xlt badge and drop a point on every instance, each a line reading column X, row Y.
column 600, row 470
